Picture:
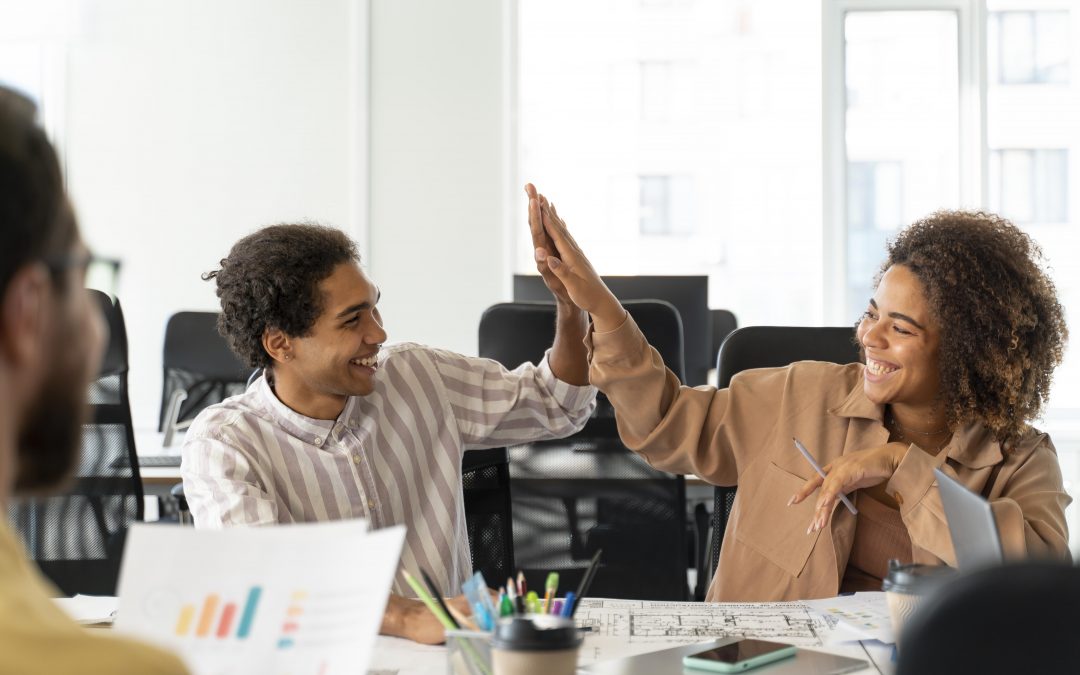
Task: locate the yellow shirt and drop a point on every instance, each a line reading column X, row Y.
column 36, row 637
column 742, row 436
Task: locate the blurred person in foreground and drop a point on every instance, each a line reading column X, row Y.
column 51, row 342
column 959, row 343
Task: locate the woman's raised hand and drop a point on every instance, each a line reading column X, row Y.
column 559, row 256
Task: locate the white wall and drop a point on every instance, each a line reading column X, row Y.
column 438, row 233
column 190, row 124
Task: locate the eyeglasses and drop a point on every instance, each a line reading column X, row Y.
column 101, row 273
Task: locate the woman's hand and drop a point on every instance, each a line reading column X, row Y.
column 557, row 251
column 861, row 469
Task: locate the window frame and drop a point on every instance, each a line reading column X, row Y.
column 973, row 148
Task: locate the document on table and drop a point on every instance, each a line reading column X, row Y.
column 294, row 599
column 865, row 614
column 626, row 627
column 89, row 609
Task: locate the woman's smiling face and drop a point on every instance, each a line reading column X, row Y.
column 900, row 342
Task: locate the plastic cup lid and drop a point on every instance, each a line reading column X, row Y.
column 540, row 632
column 915, row 579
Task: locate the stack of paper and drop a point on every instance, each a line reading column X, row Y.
column 89, row 609
column 863, row 616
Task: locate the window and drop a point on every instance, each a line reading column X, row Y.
column 1030, row 186
column 667, row 204
column 1029, row 47
column 655, row 90
column 680, row 137
column 901, row 140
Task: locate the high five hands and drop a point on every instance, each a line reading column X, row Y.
column 565, row 269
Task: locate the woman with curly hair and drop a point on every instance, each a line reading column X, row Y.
column 959, row 343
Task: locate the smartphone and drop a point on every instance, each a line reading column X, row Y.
column 739, row 656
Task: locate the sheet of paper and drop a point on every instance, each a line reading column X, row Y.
column 864, row 614
column 89, row 609
column 626, row 627
column 292, row 599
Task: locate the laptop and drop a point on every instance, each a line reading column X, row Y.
column 971, row 524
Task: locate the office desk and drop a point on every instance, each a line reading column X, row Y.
column 393, row 656
column 157, row 481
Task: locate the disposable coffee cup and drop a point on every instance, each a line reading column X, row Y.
column 537, row 644
column 906, row 586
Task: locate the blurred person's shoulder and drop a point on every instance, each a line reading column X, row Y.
column 36, row 637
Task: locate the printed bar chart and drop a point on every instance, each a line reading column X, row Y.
column 209, row 611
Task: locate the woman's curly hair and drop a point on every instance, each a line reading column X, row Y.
column 271, row 280
column 1002, row 328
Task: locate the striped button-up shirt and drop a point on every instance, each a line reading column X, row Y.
column 393, row 457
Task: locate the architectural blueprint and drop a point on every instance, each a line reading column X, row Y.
column 689, row 622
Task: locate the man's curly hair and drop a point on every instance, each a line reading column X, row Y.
column 271, row 280
column 1002, row 328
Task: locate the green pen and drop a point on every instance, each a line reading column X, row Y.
column 550, row 588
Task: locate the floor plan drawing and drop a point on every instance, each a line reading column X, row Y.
column 688, row 622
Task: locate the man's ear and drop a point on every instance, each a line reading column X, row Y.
column 277, row 345
column 23, row 314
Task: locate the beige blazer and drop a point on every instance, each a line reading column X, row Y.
column 742, row 436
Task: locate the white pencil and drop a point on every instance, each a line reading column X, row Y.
column 810, row 458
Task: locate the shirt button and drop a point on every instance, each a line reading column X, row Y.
column 371, row 503
column 317, row 441
column 899, row 498
column 356, row 459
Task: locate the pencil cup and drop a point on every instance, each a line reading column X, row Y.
column 468, row 652
column 906, row 586
column 541, row 644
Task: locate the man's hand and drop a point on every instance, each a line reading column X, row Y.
column 561, row 256
column 412, row 620
column 861, row 469
column 541, row 241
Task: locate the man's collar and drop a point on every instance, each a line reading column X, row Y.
column 303, row 427
column 972, row 444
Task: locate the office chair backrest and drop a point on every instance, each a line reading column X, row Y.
column 485, row 480
column 77, row 537
column 574, row 496
column 197, row 361
column 515, row 332
column 1019, row 618
column 769, row 347
column 723, row 322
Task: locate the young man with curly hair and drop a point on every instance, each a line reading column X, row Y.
column 959, row 344
column 340, row 425
column 51, row 342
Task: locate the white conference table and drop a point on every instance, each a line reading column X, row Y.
column 393, row 656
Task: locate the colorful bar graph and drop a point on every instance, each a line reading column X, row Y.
column 205, row 624
column 207, row 616
column 183, row 623
column 227, row 615
column 249, row 612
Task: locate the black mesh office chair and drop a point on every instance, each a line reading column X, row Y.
column 199, row 370
column 1019, row 618
column 575, row 495
column 77, row 537
column 485, row 481
column 768, row 347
